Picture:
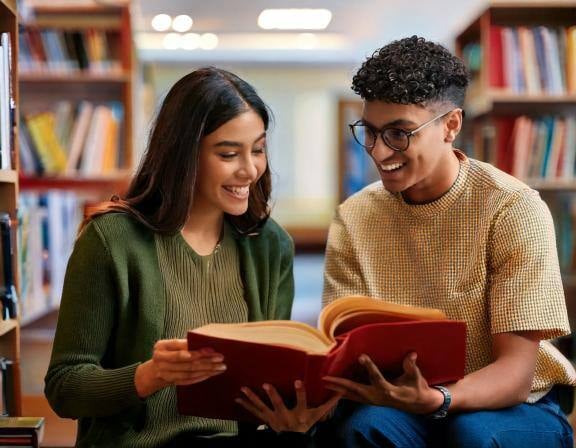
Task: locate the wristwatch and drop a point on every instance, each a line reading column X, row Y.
column 442, row 411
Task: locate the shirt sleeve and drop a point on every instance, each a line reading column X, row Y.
column 342, row 272
column 525, row 285
column 76, row 384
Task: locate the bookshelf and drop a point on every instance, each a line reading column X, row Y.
column 76, row 133
column 70, row 55
column 521, row 106
column 9, row 329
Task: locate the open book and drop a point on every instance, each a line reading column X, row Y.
column 280, row 352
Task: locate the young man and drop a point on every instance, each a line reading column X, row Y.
column 444, row 231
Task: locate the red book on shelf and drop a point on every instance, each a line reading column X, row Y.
column 281, row 352
column 504, row 143
column 496, row 64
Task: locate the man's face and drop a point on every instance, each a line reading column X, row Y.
column 424, row 171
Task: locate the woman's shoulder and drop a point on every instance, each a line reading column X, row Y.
column 119, row 228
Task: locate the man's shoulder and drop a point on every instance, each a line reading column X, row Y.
column 485, row 176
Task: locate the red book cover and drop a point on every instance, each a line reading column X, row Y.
column 440, row 345
column 496, row 65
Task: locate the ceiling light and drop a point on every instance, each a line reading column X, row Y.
column 294, row 19
column 161, row 22
column 182, row 23
column 190, row 41
column 172, row 41
column 307, row 41
column 208, row 41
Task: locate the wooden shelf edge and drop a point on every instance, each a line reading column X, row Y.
column 11, row 5
column 7, row 325
column 39, row 77
column 8, row 176
column 73, row 182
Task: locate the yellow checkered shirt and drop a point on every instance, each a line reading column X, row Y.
column 485, row 252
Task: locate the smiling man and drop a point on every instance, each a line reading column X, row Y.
column 445, row 231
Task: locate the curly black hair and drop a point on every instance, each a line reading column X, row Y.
column 412, row 71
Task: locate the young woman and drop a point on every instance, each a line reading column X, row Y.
column 189, row 244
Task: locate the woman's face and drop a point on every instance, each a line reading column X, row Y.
column 232, row 159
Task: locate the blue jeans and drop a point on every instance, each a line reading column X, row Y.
column 538, row 425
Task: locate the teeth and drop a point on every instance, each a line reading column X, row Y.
column 391, row 166
column 238, row 191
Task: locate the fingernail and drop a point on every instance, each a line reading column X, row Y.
column 265, row 387
column 218, row 358
column 221, row 367
column 298, row 384
column 244, row 389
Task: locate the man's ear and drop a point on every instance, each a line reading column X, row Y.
column 452, row 125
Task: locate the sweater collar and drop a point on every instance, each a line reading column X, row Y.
column 446, row 200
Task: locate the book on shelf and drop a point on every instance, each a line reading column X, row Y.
column 82, row 138
column 8, row 295
column 280, row 352
column 55, row 51
column 533, row 60
column 7, row 104
column 7, row 379
column 21, row 431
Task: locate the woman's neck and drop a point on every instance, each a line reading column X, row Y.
column 203, row 231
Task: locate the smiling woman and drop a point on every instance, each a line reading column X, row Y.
column 190, row 243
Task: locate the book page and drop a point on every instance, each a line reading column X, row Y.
column 346, row 313
column 282, row 333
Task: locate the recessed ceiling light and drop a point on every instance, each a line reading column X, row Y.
column 172, row 41
column 182, row 23
column 208, row 41
column 294, row 19
column 190, row 41
column 161, row 22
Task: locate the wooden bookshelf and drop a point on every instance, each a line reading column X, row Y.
column 43, row 83
column 9, row 329
column 96, row 67
column 517, row 30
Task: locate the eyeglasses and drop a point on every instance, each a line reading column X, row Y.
column 395, row 138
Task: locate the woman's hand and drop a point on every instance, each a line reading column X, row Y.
column 410, row 392
column 173, row 364
column 281, row 419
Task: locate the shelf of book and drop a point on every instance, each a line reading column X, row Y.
column 75, row 79
column 9, row 328
column 521, row 106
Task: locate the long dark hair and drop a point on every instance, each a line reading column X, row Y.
column 161, row 193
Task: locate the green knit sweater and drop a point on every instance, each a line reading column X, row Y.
column 113, row 311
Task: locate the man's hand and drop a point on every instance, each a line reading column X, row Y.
column 278, row 417
column 410, row 392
